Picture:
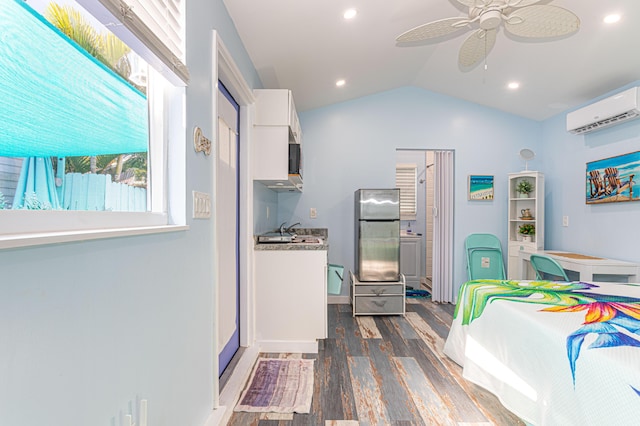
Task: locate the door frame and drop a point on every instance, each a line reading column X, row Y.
column 223, row 68
column 232, row 346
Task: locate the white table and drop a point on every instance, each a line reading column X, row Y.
column 586, row 266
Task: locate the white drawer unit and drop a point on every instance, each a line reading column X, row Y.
column 377, row 298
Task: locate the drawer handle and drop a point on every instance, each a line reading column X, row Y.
column 379, row 303
column 379, row 292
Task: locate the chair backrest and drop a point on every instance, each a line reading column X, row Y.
column 546, row 265
column 484, row 257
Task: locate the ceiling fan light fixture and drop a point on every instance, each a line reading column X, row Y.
column 490, row 19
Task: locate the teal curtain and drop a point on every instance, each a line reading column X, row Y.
column 37, row 184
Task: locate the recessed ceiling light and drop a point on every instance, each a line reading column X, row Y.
column 350, row 13
column 513, row 85
column 611, row 19
column 340, row 83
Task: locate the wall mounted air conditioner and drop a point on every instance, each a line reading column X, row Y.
column 615, row 109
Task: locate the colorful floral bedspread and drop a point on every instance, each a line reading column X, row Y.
column 554, row 353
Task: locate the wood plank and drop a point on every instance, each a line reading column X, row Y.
column 403, row 326
column 341, row 423
column 435, row 323
column 431, row 408
column 337, row 401
column 367, row 394
column 394, row 395
column 367, row 326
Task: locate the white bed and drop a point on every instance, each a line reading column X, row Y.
column 508, row 343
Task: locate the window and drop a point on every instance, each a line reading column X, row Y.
column 91, row 104
column 406, row 175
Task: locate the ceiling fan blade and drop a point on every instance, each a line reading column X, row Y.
column 476, row 47
column 433, row 29
column 479, row 3
column 521, row 3
column 542, row 21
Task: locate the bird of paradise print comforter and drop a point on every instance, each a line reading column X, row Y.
column 553, row 353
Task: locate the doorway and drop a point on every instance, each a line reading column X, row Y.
column 432, row 219
column 228, row 226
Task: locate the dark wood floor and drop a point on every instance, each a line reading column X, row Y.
column 389, row 370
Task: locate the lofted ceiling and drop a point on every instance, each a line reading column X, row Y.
column 306, row 46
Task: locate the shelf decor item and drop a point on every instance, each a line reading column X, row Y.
column 524, row 188
column 527, row 231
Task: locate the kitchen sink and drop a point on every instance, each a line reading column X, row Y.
column 276, row 237
column 307, row 239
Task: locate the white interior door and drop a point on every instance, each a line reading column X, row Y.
column 443, row 228
column 226, row 208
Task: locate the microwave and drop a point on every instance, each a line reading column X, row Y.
column 295, row 159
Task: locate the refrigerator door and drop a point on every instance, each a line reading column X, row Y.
column 378, row 250
column 378, row 204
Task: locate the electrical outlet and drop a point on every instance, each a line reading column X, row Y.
column 565, row 220
column 313, row 213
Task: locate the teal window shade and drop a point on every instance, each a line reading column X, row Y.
column 56, row 99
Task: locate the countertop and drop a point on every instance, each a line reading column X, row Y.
column 319, row 232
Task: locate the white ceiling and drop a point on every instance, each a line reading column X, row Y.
column 306, row 45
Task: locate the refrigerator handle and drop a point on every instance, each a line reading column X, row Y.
column 435, row 211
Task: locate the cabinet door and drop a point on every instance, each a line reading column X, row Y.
column 410, row 250
column 272, row 107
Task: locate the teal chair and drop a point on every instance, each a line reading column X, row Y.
column 484, row 257
column 546, row 266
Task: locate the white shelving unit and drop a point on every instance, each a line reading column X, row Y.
column 517, row 203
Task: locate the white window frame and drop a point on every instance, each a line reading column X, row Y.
column 20, row 228
column 407, row 182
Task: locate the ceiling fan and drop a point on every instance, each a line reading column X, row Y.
column 520, row 17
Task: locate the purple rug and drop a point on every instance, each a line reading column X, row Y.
column 279, row 386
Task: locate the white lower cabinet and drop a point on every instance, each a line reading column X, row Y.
column 291, row 299
column 410, row 262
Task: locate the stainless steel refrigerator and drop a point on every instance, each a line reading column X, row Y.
column 377, row 234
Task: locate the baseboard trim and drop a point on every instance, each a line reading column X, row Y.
column 338, row 300
column 232, row 390
column 285, row 346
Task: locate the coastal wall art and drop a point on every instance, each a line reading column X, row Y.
column 480, row 187
column 613, row 179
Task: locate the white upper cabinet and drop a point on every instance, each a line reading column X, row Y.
column 276, row 126
column 275, row 107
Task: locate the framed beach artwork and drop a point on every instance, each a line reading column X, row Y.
column 613, row 179
column 480, row 187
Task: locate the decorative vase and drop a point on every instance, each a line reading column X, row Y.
column 526, row 238
column 523, row 195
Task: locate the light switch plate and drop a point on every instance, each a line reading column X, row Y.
column 565, row 220
column 201, row 205
column 313, row 213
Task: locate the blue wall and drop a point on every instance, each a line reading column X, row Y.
column 353, row 145
column 608, row 230
column 87, row 329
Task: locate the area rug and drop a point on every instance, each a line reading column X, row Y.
column 279, row 386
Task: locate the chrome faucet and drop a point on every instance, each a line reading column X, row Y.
column 282, row 229
column 291, row 227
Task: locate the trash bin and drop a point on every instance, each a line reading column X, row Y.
column 334, row 284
